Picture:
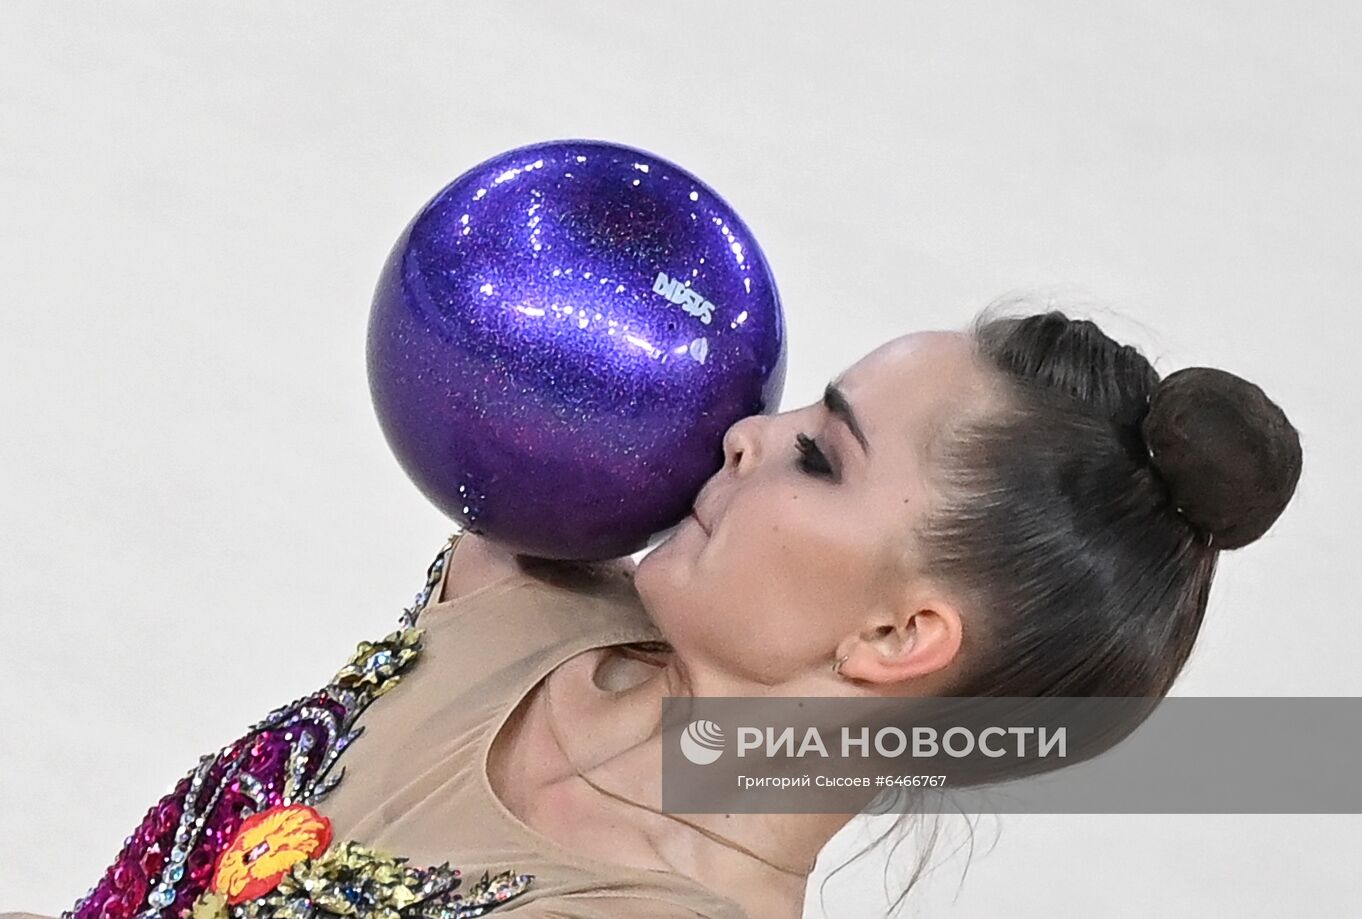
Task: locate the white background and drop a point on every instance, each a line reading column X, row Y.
column 199, row 516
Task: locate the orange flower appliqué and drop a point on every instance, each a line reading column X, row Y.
column 266, row 848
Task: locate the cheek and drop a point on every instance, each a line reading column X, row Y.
column 783, row 541
column 808, row 567
column 778, row 575
column 762, row 594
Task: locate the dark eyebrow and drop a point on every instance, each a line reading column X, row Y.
column 836, row 402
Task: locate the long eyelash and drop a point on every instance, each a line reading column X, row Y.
column 811, row 457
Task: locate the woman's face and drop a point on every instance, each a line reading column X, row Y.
column 801, row 550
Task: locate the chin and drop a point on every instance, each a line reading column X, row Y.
column 664, row 574
column 647, row 572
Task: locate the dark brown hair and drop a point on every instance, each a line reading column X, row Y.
column 1080, row 518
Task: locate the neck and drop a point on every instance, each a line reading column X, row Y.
column 619, row 748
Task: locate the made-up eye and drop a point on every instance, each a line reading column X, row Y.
column 811, row 457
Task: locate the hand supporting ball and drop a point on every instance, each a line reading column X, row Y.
column 560, row 339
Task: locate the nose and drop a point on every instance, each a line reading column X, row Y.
column 742, row 445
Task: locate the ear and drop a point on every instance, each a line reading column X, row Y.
column 919, row 637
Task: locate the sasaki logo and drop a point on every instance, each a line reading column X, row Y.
column 702, row 742
column 685, row 296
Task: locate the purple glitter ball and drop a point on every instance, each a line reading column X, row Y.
column 560, row 339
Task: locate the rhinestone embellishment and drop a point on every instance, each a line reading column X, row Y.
column 289, row 758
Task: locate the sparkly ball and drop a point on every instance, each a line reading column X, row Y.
column 560, row 339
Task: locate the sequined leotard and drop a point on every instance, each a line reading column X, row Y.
column 239, row 836
column 334, row 806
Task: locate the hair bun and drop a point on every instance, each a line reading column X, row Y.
column 1227, row 453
